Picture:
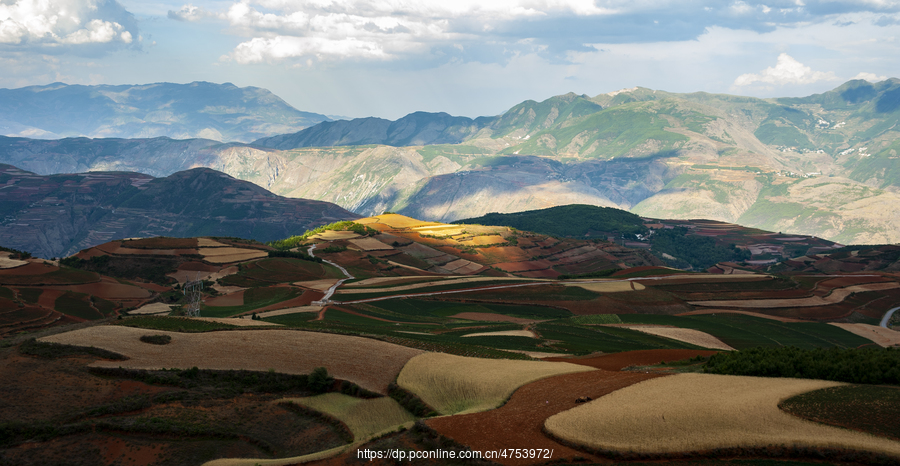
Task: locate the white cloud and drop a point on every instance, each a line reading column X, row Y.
column 786, row 71
column 59, row 22
column 190, row 12
column 339, row 29
column 871, row 77
column 260, row 50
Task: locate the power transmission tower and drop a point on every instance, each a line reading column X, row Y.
column 192, row 289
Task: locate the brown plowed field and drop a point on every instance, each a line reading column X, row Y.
column 619, row 361
column 519, row 423
column 546, row 273
column 230, row 299
column 841, row 282
column 108, row 288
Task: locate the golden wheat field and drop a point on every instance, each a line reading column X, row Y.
column 458, row 384
column 365, row 418
column 687, row 335
column 210, row 243
column 372, row 364
column 697, row 412
column 333, row 235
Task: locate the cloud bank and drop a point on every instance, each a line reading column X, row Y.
column 47, row 24
column 787, row 71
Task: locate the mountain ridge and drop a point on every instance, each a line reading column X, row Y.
column 57, row 215
column 791, row 165
column 223, row 112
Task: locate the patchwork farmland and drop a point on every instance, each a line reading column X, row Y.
column 397, row 333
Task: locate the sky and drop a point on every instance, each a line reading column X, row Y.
column 388, row 58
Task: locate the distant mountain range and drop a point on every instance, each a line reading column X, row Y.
column 826, row 165
column 222, row 112
column 58, row 215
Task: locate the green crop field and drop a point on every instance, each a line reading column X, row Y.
column 742, row 331
column 280, row 270
column 420, row 307
column 76, row 305
column 254, row 298
column 582, row 340
column 869, row 408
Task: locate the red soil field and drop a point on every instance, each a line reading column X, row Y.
column 524, row 265
column 519, row 423
column 546, row 273
column 504, row 254
column 230, row 299
column 619, row 361
column 31, row 268
column 841, row 282
column 47, row 299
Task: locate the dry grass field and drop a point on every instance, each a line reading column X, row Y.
column 687, row 335
column 370, row 363
column 609, row 286
column 155, row 308
column 7, row 263
column 365, row 418
column 699, row 412
column 227, row 255
column 290, row 310
column 248, row 322
column 458, row 384
column 881, row 336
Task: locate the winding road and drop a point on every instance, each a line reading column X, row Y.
column 887, row 317
column 339, row 282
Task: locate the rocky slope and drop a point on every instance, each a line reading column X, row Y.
column 222, row 112
column 57, row 215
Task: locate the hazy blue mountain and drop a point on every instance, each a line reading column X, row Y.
column 415, row 129
column 222, row 112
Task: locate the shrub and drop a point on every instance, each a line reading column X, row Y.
column 319, row 380
column 156, row 339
